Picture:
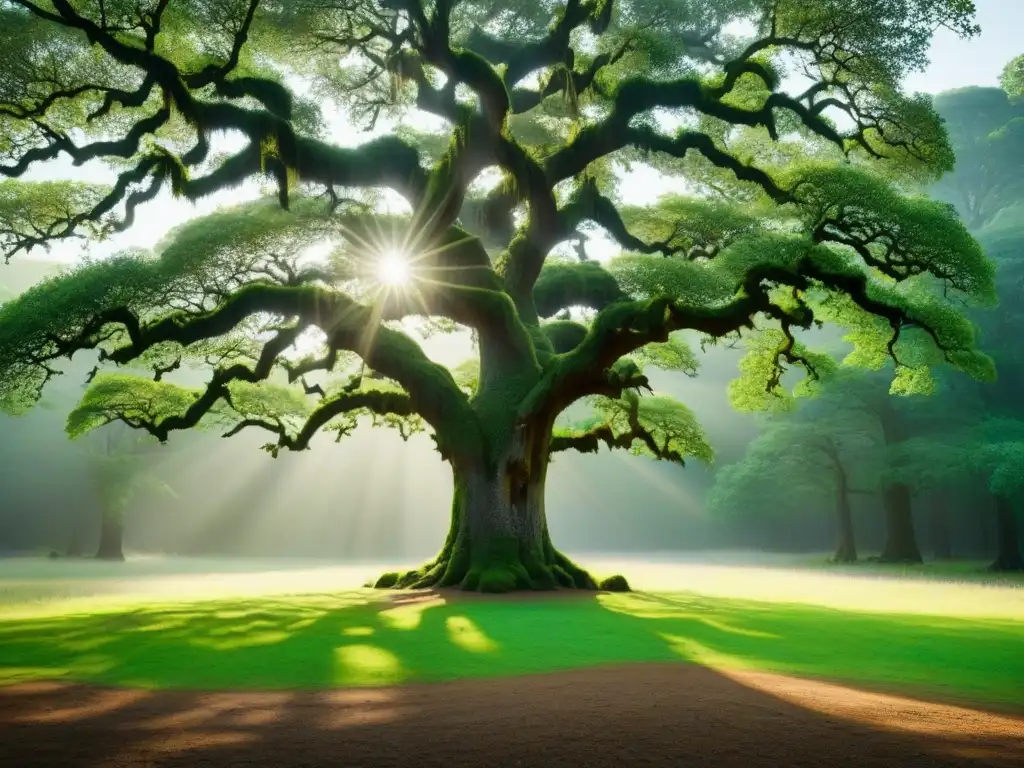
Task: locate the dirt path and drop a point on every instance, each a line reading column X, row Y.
column 626, row 717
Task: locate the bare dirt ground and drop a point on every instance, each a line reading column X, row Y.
column 626, row 717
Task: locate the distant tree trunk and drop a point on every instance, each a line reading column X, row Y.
column 846, row 548
column 1008, row 538
column 940, row 529
column 111, row 537
column 901, row 541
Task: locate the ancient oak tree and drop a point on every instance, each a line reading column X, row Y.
column 501, row 135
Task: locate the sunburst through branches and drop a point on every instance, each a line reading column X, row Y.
column 393, row 269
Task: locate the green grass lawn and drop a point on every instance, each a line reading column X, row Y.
column 354, row 637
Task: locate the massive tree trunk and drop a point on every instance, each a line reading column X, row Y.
column 111, row 537
column 940, row 529
column 1008, row 537
column 846, row 547
column 900, row 541
column 498, row 538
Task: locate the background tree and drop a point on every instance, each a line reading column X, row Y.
column 1012, row 79
column 807, row 224
column 986, row 130
column 1000, row 457
column 1000, row 328
column 869, row 397
column 814, row 454
column 122, row 461
column 1001, row 232
column 993, row 448
column 930, row 467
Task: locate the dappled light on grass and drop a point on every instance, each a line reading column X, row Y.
column 468, row 636
column 367, row 665
column 960, row 641
column 373, row 639
column 691, row 650
column 243, row 639
column 357, row 631
column 409, row 612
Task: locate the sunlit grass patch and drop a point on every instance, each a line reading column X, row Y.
column 366, row 665
column 464, row 633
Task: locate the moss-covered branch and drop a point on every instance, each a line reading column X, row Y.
column 564, row 285
column 522, row 57
column 592, row 440
column 607, row 137
column 567, row 80
column 378, row 402
column 626, row 326
column 657, row 427
column 275, row 145
column 347, row 325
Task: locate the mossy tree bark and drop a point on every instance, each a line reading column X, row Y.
column 498, row 539
column 1008, row 557
column 499, row 451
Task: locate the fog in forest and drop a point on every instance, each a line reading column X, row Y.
column 371, row 497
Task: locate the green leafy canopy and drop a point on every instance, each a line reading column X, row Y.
column 500, row 136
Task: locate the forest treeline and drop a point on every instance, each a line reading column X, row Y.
column 944, row 470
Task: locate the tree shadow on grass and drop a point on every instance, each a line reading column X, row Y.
column 362, row 646
column 974, row 660
column 362, row 638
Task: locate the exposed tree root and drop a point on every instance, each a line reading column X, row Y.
column 503, row 565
